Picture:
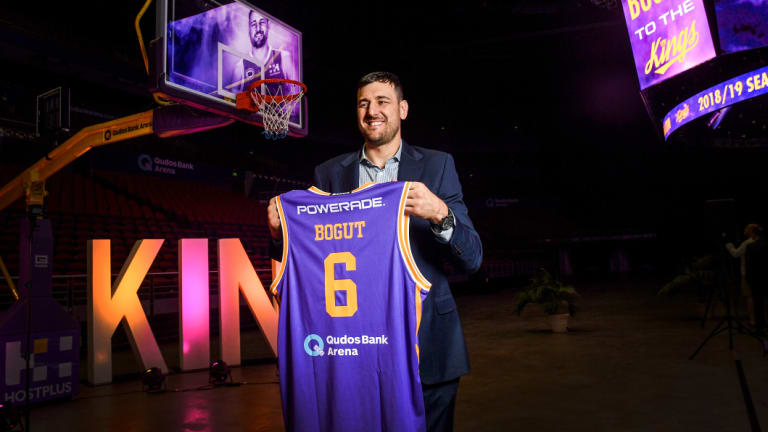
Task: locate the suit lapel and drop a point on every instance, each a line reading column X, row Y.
column 350, row 173
column 411, row 164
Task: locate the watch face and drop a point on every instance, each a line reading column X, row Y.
column 447, row 223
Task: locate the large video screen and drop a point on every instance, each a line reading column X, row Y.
column 742, row 24
column 667, row 37
column 218, row 52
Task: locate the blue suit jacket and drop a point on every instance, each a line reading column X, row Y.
column 442, row 349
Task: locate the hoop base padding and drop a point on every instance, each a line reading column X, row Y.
column 243, row 101
column 178, row 119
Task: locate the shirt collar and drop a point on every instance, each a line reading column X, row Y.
column 364, row 159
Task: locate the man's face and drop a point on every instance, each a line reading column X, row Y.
column 259, row 30
column 379, row 113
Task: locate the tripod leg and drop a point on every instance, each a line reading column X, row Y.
column 708, row 309
column 721, row 327
column 748, row 331
column 747, row 397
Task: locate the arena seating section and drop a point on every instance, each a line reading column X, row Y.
column 127, row 207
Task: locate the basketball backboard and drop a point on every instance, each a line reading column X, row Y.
column 52, row 112
column 208, row 51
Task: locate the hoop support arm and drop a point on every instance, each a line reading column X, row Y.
column 8, row 279
column 121, row 129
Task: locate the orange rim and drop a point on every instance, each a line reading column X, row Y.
column 270, row 99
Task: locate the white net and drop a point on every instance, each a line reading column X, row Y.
column 277, row 102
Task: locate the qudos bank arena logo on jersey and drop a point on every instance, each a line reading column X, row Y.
column 313, row 345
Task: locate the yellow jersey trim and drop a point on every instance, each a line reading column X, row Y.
column 418, row 319
column 403, row 238
column 318, row 191
column 322, row 192
column 363, row 187
column 284, row 261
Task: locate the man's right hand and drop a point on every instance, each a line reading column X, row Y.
column 273, row 220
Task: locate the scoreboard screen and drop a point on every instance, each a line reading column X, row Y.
column 667, row 37
column 742, row 24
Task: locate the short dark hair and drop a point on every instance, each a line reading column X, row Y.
column 382, row 77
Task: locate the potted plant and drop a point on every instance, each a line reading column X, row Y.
column 698, row 276
column 554, row 297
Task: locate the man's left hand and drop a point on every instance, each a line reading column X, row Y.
column 422, row 203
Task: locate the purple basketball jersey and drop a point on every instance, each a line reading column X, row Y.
column 272, row 69
column 350, row 305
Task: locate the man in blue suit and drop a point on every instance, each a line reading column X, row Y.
column 440, row 229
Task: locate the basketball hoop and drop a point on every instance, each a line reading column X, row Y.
column 275, row 98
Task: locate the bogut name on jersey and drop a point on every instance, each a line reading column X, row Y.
column 339, row 231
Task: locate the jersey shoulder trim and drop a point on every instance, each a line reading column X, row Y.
column 363, row 187
column 318, row 191
column 286, row 242
column 403, row 238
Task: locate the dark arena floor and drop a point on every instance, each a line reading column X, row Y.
column 623, row 366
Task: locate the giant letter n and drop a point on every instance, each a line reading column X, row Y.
column 236, row 274
column 109, row 304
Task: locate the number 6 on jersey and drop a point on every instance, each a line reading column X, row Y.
column 332, row 285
